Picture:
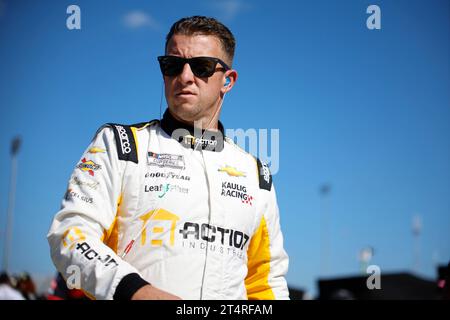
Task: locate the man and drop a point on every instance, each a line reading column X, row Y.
column 7, row 291
column 172, row 209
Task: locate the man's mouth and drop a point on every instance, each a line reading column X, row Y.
column 185, row 93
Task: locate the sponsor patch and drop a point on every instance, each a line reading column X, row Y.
column 163, row 189
column 166, row 160
column 126, row 146
column 236, row 190
column 167, row 175
column 195, row 142
column 88, row 166
column 265, row 178
column 231, row 171
column 164, row 226
column 70, row 194
column 78, row 182
column 96, row 150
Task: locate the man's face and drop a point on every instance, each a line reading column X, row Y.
column 191, row 98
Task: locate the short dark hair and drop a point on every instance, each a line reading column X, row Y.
column 200, row 25
column 4, row 278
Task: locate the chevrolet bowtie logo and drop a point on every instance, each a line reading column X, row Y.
column 96, row 150
column 231, row 171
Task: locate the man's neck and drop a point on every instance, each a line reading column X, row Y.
column 202, row 123
column 188, row 135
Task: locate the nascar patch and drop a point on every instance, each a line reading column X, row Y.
column 165, row 160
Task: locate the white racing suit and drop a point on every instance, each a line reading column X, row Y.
column 209, row 210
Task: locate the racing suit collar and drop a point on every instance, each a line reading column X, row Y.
column 191, row 137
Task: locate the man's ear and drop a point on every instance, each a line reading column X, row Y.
column 229, row 80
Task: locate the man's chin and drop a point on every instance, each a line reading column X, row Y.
column 185, row 112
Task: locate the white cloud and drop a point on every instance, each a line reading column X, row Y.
column 229, row 9
column 140, row 19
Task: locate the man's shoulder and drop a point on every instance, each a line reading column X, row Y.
column 117, row 127
column 125, row 136
column 143, row 125
column 137, row 126
column 264, row 175
column 236, row 148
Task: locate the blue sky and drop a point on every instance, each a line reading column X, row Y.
column 367, row 111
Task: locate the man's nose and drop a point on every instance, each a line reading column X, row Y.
column 186, row 75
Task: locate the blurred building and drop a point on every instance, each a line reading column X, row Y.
column 393, row 286
column 297, row 294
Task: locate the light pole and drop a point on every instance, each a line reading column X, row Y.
column 364, row 257
column 15, row 145
column 324, row 191
column 416, row 229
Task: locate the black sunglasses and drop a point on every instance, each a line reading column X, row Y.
column 202, row 67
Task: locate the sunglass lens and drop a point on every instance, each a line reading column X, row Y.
column 203, row 67
column 171, row 66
